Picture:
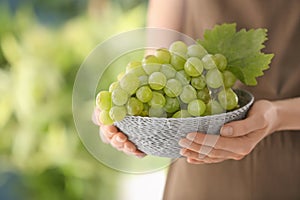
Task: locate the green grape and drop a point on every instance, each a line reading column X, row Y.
column 157, row 80
column 214, row 78
column 182, row 77
column 157, row 112
column 143, row 80
column 103, row 100
column 158, row 100
column 193, row 67
column 188, row 94
column 203, row 95
column 196, row 50
column 172, row 105
column 228, row 99
column 113, row 86
column 130, row 83
column 151, row 64
column 144, row 94
column 104, row 118
column 173, row 88
column 178, row 61
column 181, row 114
column 117, row 113
column 138, row 71
column 134, row 106
column 163, row 55
column 120, row 76
column 198, row 82
column 220, row 61
column 145, row 111
column 208, row 62
column 213, row 107
column 229, row 79
column 178, row 47
column 119, row 96
column 132, row 65
column 168, row 71
column 196, row 107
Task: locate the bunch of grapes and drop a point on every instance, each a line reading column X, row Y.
column 175, row 82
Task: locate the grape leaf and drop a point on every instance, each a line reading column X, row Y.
column 242, row 50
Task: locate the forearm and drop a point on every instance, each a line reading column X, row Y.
column 288, row 114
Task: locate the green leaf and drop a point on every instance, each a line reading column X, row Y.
column 242, row 50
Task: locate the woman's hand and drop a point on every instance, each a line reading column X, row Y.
column 237, row 138
column 111, row 135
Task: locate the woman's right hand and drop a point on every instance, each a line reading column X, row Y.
column 111, row 135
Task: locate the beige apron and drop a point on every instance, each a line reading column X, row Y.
column 272, row 169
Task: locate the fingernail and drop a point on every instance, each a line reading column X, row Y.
column 227, row 130
column 140, row 156
column 120, row 139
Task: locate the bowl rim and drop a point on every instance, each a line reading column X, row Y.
column 248, row 104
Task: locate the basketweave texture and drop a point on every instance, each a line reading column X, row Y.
column 160, row 136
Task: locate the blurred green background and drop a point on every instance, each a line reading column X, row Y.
column 42, row 45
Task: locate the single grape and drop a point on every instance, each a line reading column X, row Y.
column 157, row 80
column 145, row 111
column 113, row 86
column 120, row 76
column 198, row 82
column 208, row 62
column 138, row 71
column 182, row 114
column 182, row 77
column 178, row 47
column 173, row 88
column 193, row 67
column 130, row 83
column 229, row 79
column 143, row 80
column 158, row 100
column 172, row 105
column 132, row 65
column 117, row 113
column 151, row 64
column 178, row 61
column 213, row 107
column 134, row 106
column 104, row 118
column 196, row 107
column 157, row 112
column 203, row 95
column 196, row 50
column 103, row 100
column 168, row 71
column 220, row 61
column 214, row 78
column 144, row 94
column 188, row 94
column 228, row 99
column 163, row 55
column 119, row 96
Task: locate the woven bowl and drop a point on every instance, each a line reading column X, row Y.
column 160, row 136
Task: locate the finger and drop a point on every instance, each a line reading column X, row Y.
column 118, row 140
column 194, row 161
column 204, row 161
column 240, row 145
column 243, row 127
column 130, row 149
column 102, row 137
column 95, row 116
column 213, row 154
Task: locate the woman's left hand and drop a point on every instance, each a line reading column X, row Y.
column 237, row 138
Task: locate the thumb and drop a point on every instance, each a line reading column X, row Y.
column 242, row 127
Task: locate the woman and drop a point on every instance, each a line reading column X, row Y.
column 255, row 158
